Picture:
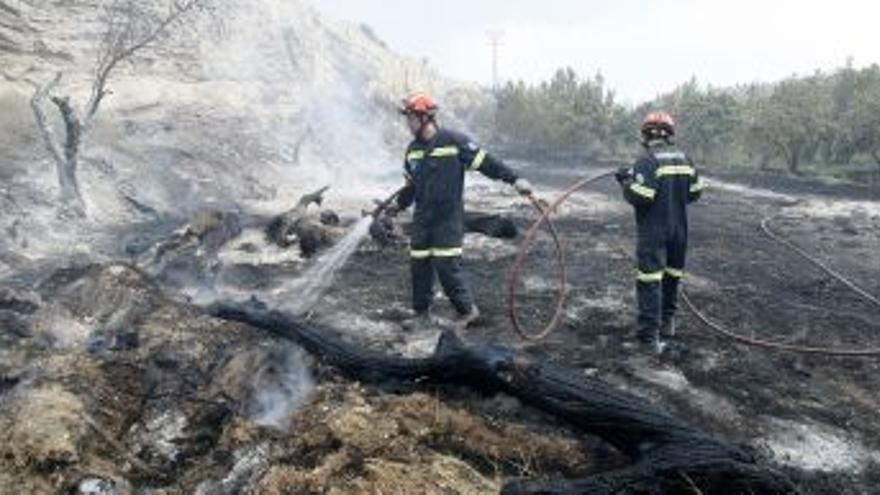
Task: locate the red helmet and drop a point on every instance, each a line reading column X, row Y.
column 419, row 103
column 658, row 125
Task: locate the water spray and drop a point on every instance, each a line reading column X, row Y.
column 301, row 295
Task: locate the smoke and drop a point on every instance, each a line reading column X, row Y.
column 280, row 103
column 317, row 98
column 282, row 383
column 58, row 329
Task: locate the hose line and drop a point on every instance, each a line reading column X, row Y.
column 546, row 211
column 522, row 251
column 765, row 227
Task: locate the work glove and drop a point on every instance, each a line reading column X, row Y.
column 523, row 187
column 623, row 173
column 391, row 209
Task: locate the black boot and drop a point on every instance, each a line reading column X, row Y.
column 420, row 322
column 650, row 339
column 465, row 320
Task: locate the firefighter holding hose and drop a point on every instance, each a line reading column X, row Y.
column 434, row 167
column 659, row 186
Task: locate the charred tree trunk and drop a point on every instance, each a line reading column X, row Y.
column 128, row 31
column 66, row 160
column 667, row 453
column 70, row 192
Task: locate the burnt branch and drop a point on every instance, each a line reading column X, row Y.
column 72, row 126
column 131, row 27
column 65, row 158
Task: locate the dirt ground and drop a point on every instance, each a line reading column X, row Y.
column 813, row 413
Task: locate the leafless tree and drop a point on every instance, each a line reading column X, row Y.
column 130, row 26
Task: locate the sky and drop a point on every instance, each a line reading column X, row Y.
column 642, row 48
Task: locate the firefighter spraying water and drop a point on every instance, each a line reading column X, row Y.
column 434, row 167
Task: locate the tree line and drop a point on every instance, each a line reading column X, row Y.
column 825, row 119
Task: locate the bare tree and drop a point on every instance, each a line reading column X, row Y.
column 130, row 26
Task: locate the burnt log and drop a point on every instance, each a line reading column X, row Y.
column 667, row 454
column 310, row 235
column 297, row 226
column 385, row 233
column 330, row 218
column 490, row 225
column 210, row 230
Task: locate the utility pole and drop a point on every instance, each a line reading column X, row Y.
column 495, row 42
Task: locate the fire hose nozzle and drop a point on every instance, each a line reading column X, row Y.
column 383, row 205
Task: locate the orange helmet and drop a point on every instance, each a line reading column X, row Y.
column 419, row 104
column 658, row 125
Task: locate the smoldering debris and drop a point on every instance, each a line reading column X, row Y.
column 247, row 469
column 297, row 225
column 270, row 382
column 101, row 486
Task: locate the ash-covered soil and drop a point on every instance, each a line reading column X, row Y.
column 112, row 379
column 812, row 413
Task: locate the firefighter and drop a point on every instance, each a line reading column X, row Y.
column 434, row 167
column 659, row 186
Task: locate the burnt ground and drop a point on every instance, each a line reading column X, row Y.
column 816, row 414
column 111, row 379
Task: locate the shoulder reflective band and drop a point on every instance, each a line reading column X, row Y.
column 436, row 152
column 697, row 186
column 675, row 170
column 643, row 191
column 445, row 151
column 650, row 277
column 674, row 272
column 478, row 160
column 447, row 252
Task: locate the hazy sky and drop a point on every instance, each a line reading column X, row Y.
column 641, row 47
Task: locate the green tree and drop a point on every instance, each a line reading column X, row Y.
column 793, row 120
